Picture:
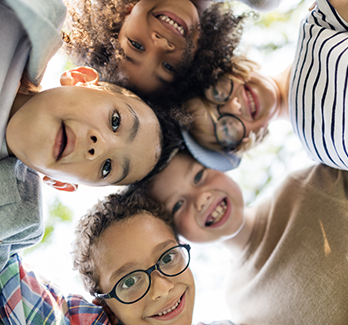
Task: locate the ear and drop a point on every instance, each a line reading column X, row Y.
column 81, row 76
column 129, row 9
column 67, row 187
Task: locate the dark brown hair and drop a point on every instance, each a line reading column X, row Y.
column 114, row 208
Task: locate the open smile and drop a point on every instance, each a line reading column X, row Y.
column 252, row 103
column 172, row 311
column 219, row 215
column 172, row 22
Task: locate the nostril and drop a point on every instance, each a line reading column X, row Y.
column 94, row 139
column 157, row 36
column 91, row 152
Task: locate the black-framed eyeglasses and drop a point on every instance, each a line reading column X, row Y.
column 229, row 129
column 135, row 285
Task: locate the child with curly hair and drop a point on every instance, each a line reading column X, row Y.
column 147, row 45
column 128, row 255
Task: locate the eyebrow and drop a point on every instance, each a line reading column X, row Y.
column 136, row 123
column 126, row 268
column 125, row 168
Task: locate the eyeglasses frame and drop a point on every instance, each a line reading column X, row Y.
column 112, row 293
column 218, row 104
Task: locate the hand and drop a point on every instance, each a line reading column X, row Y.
column 112, row 317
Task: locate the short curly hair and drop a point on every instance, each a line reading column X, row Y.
column 91, row 38
column 114, row 208
column 220, row 34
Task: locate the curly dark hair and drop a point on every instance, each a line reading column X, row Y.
column 220, row 34
column 114, row 208
column 92, row 41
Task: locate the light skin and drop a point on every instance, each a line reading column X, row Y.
column 198, row 191
column 81, row 134
column 136, row 244
column 194, row 194
column 256, row 103
column 153, row 46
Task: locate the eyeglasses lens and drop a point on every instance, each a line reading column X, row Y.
column 229, row 131
column 134, row 285
column 220, row 92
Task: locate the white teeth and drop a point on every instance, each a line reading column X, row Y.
column 217, row 214
column 173, row 23
column 251, row 101
column 170, row 309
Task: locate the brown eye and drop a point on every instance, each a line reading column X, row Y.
column 106, row 168
column 115, row 121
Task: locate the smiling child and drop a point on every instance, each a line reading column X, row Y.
column 128, row 254
column 148, row 45
column 288, row 253
column 85, row 132
column 233, row 115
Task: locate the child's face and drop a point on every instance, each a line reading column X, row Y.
column 207, row 205
column 153, row 46
column 86, row 135
column 136, row 244
column 254, row 102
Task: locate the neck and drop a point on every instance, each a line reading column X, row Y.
column 282, row 80
column 18, row 102
column 238, row 243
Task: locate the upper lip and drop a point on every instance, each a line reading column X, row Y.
column 177, row 19
column 167, row 306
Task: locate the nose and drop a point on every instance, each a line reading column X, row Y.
column 96, row 145
column 161, row 285
column 233, row 106
column 202, row 200
column 161, row 43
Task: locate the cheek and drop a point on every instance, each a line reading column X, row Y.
column 187, row 225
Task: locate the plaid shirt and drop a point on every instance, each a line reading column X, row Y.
column 26, row 298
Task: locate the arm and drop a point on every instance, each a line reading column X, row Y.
column 342, row 8
column 20, row 208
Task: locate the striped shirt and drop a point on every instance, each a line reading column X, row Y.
column 318, row 86
column 26, row 298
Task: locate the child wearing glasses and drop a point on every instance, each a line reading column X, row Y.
column 233, row 115
column 288, row 255
column 129, row 255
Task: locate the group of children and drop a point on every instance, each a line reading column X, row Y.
column 289, row 257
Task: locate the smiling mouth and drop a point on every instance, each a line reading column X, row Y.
column 169, row 310
column 217, row 214
column 181, row 30
column 252, row 102
column 64, row 141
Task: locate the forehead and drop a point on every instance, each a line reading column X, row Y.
column 174, row 176
column 133, row 240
